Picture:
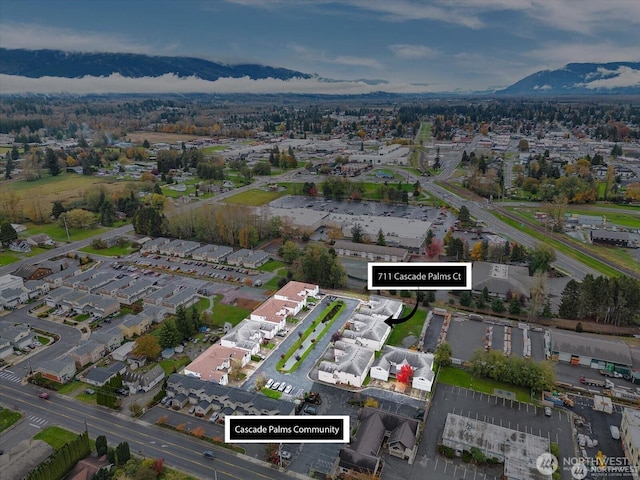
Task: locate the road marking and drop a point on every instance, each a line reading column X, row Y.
column 36, row 426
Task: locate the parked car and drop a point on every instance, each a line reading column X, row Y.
column 419, row 413
column 90, row 391
column 285, row 455
column 208, row 454
column 282, row 387
column 288, row 389
column 44, row 395
column 269, row 383
column 164, row 400
column 192, row 409
column 122, row 391
column 275, row 386
column 310, row 410
column 547, row 411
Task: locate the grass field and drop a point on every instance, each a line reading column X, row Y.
column 114, row 251
column 411, row 327
column 171, row 365
column 227, row 313
column 630, row 220
column 8, row 418
column 272, row 266
column 213, row 149
column 463, row 378
column 424, row 135
column 67, row 188
column 58, row 233
column 56, row 437
column 254, row 197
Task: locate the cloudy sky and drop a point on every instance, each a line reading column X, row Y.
column 410, row 45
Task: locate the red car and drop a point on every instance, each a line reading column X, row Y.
column 44, row 395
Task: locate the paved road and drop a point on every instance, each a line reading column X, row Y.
column 180, row 451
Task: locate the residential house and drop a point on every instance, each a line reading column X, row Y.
column 97, row 281
column 134, row 292
column 215, row 363
column 154, row 313
column 36, row 288
column 121, row 353
column 393, row 359
column 211, row 253
column 114, row 285
column 57, row 278
column 6, row 349
column 373, row 427
column 99, row 376
column 11, row 298
column 59, row 370
column 32, row 272
column 276, row 311
column 89, row 352
column 20, row 246
column 367, row 330
column 144, row 381
column 178, row 248
column 40, row 240
column 255, row 259
column 156, row 297
column 153, row 246
column 249, row 334
column 185, row 298
column 133, row 325
column 345, row 363
column 111, row 338
column 19, row 336
column 236, row 258
column 297, row 292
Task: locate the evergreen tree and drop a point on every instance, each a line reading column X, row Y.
column 157, row 189
column 14, row 153
column 101, row 445
column 7, row 234
column 57, row 209
column 8, row 168
column 381, row 240
column 514, row 306
column 51, row 162
column 122, row 453
column 169, row 335
column 570, row 301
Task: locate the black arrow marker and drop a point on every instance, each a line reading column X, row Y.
column 394, row 321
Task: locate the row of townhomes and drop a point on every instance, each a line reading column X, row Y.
column 210, row 253
column 204, row 382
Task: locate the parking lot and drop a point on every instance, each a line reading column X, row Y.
column 511, row 414
column 466, row 336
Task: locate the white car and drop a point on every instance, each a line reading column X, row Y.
column 285, row 455
column 269, row 383
column 282, row 387
column 288, row 389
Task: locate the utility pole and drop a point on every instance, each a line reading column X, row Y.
column 66, row 227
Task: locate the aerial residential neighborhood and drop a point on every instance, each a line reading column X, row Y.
column 319, row 240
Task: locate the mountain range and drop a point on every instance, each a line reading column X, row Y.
column 621, row 78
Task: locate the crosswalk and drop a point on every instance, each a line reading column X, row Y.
column 37, row 422
column 7, row 375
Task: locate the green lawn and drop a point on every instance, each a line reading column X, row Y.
column 272, row 266
column 115, row 251
column 56, row 437
column 273, row 283
column 171, row 365
column 69, row 388
column 8, row 418
column 271, row 393
column 254, row 197
column 411, row 327
column 43, row 340
column 215, row 148
column 58, row 233
column 8, row 257
column 227, row 313
column 424, row 134
column 463, row 378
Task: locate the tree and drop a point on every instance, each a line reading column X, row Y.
column 381, row 240
column 169, row 336
column 7, row 234
column 434, row 247
column 570, row 301
column 51, row 162
column 148, row 221
column 465, row 298
column 57, row 209
column 123, row 454
column 442, row 354
column 523, row 145
column 579, row 328
column 476, row 252
column 148, row 346
column 146, row 144
column 76, row 218
column 464, row 216
column 290, row 252
column 541, row 258
column 514, row 306
column 405, row 375
column 497, row 305
column 101, row 445
column 357, row 235
column 8, row 168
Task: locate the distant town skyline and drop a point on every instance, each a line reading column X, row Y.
column 403, row 46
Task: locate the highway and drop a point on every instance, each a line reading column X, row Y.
column 180, row 451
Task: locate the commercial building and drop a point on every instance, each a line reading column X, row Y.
column 590, row 350
column 630, row 436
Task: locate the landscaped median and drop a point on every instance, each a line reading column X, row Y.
column 327, row 317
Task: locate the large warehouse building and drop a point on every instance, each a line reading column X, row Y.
column 591, row 351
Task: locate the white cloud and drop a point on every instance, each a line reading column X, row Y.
column 170, row 83
column 621, row 77
column 555, row 55
column 413, row 51
column 36, row 37
column 355, row 61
